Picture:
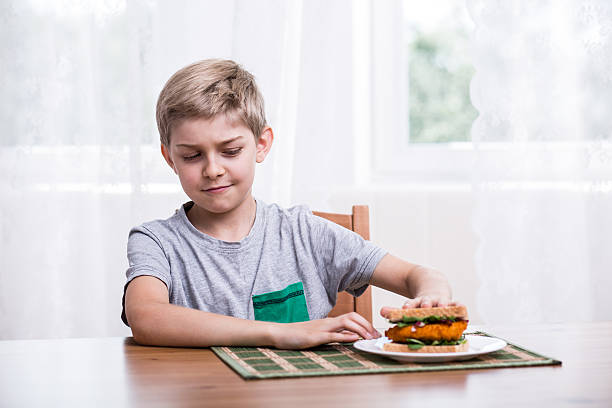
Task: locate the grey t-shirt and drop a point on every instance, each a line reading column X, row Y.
column 284, row 246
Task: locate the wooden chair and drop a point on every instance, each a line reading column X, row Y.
column 358, row 221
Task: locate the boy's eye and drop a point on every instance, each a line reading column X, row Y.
column 233, row 152
column 192, row 157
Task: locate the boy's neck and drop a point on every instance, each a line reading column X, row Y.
column 232, row 226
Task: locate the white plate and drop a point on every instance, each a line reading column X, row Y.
column 478, row 345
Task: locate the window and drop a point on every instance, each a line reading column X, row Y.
column 436, row 35
column 417, row 91
column 418, row 129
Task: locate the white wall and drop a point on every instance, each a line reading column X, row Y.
column 67, row 209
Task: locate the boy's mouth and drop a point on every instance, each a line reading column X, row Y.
column 219, row 189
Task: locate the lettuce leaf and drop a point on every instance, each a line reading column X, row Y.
column 415, row 344
column 409, row 321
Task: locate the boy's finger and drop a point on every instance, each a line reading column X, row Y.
column 365, row 323
column 426, row 301
column 357, row 323
column 384, row 311
column 443, row 301
column 411, row 303
column 343, row 337
column 358, row 329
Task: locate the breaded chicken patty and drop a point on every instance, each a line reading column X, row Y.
column 429, row 332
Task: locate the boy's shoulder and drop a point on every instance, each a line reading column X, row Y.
column 300, row 214
column 285, row 212
column 161, row 226
column 300, row 219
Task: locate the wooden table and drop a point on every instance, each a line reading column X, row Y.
column 115, row 372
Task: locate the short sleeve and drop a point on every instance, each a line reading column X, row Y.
column 146, row 256
column 347, row 259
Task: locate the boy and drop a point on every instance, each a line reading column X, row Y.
column 227, row 269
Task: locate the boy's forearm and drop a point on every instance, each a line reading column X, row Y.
column 163, row 324
column 410, row 280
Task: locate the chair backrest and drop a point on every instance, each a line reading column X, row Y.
column 358, row 221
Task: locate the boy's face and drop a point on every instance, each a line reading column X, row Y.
column 215, row 161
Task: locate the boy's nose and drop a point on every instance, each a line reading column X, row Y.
column 213, row 169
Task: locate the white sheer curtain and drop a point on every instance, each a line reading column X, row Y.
column 80, row 162
column 79, row 149
column 543, row 179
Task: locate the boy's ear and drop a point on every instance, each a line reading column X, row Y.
column 166, row 155
column 264, row 144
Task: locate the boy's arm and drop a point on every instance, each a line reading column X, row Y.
column 425, row 287
column 154, row 321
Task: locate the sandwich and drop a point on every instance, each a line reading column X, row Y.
column 427, row 330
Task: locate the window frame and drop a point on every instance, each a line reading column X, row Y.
column 383, row 153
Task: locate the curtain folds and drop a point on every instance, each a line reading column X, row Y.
column 543, row 172
column 79, row 149
column 80, row 162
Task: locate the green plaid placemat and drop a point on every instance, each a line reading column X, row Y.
column 342, row 359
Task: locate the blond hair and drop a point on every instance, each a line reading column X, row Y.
column 205, row 89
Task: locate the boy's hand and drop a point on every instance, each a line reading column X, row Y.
column 424, row 302
column 345, row 328
column 428, row 301
column 424, row 287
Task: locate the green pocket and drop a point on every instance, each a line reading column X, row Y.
column 283, row 306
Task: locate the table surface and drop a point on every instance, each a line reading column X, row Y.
column 116, row 372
